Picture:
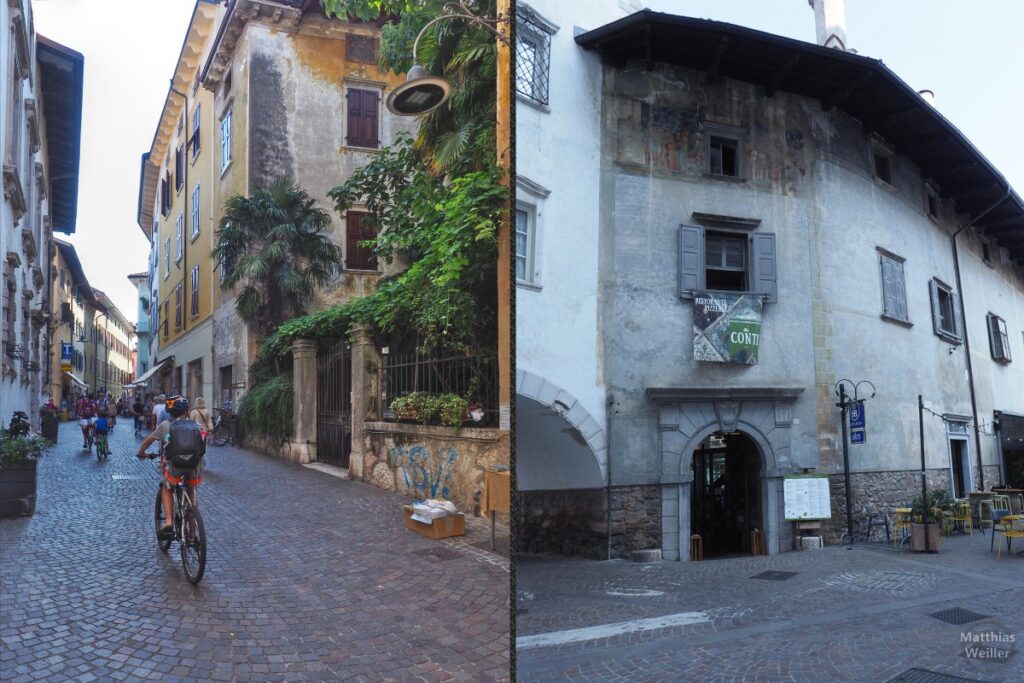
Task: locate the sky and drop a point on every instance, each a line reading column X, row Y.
column 966, row 52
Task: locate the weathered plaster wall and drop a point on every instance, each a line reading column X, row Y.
column 423, row 461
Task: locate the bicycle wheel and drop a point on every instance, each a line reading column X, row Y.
column 163, row 543
column 193, row 549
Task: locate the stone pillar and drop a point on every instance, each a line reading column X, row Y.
column 303, row 444
column 365, row 390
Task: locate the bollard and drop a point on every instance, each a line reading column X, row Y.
column 696, row 547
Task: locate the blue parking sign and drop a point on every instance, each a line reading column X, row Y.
column 857, row 415
column 857, row 436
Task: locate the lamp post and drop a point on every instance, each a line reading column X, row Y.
column 845, row 401
column 422, row 93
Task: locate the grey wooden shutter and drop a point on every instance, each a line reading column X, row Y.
column 691, row 260
column 933, row 291
column 900, row 292
column 893, row 291
column 762, row 250
column 958, row 319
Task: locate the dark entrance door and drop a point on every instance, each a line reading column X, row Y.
column 726, row 493
column 334, row 405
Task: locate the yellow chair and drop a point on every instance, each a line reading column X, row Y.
column 900, row 526
column 1008, row 532
column 961, row 514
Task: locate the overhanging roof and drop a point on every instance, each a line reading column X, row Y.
column 149, row 373
column 860, row 86
column 62, row 76
column 70, row 256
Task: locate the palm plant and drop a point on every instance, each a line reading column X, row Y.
column 273, row 244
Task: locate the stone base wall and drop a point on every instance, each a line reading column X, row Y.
column 636, row 519
column 571, row 523
column 432, row 462
column 575, row 523
column 882, row 491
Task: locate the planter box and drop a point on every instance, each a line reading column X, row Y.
column 18, row 490
column 50, row 425
column 917, row 536
column 443, row 527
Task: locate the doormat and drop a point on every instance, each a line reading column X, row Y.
column 958, row 616
column 925, row 676
column 774, row 576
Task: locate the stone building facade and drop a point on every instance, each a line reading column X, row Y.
column 40, row 123
column 877, row 243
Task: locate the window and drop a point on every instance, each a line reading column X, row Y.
column 165, row 194
column 883, row 166
column 359, row 228
column 894, row 292
column 195, row 212
column 998, row 339
column 167, row 316
column 225, row 140
column 723, row 156
column 525, row 230
column 223, row 266
column 986, row 251
column 179, row 168
column 361, row 48
column 167, row 257
column 945, row 311
column 194, row 302
column 177, row 306
column 179, row 228
column 931, row 203
column 533, row 54
column 361, row 123
column 196, row 128
column 730, row 261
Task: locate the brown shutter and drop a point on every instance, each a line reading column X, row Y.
column 370, row 119
column 355, row 117
column 358, row 229
column 362, row 118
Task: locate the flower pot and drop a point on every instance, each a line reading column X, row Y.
column 50, row 424
column 917, row 536
column 18, row 490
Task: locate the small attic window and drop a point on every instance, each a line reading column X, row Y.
column 932, row 203
column 883, row 166
column 227, row 82
column 723, row 156
column 986, row 251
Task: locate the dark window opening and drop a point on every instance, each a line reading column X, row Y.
column 933, row 206
column 179, row 168
column 883, row 168
column 986, row 251
column 725, row 263
column 947, row 322
column 723, row 157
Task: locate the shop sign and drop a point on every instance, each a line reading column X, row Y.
column 726, row 327
column 65, row 356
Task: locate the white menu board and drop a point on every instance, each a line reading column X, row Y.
column 807, row 497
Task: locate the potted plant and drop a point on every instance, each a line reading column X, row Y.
column 938, row 502
column 408, row 408
column 453, row 410
column 19, row 456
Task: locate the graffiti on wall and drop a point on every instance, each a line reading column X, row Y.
column 428, row 476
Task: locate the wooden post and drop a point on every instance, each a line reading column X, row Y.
column 696, row 548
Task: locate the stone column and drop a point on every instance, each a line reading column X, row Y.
column 303, row 443
column 365, row 390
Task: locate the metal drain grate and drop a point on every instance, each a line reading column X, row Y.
column 774, row 576
column 126, row 477
column 958, row 616
column 925, row 676
column 438, row 554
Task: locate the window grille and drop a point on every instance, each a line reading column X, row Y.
column 533, row 56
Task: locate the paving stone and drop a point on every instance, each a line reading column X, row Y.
column 306, row 575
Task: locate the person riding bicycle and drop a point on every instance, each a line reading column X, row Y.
column 139, row 413
column 86, row 411
column 166, row 433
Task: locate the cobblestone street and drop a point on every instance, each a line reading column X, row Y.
column 842, row 615
column 309, row 578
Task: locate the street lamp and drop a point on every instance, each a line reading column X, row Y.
column 845, row 402
column 421, row 92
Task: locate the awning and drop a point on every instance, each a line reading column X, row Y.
column 147, row 374
column 77, row 380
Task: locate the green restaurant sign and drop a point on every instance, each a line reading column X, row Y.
column 726, row 327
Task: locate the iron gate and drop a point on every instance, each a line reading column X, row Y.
column 334, row 405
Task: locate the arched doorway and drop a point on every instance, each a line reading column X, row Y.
column 726, row 502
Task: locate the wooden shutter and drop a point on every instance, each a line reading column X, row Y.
column 892, row 288
column 362, row 118
column 358, row 229
column 994, row 339
column 762, row 250
column 933, row 292
column 691, row 260
column 958, row 318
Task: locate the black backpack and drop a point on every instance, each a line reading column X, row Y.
column 185, row 445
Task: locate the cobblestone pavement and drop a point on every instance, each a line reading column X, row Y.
column 308, row 578
column 844, row 615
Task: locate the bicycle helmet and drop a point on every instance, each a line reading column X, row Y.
column 177, row 406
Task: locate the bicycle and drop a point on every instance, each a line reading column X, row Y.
column 189, row 532
column 102, row 445
column 224, row 429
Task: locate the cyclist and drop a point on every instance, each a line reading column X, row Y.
column 138, row 412
column 86, row 411
column 111, row 410
column 178, row 408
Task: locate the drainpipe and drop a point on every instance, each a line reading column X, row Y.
column 967, row 341
column 184, row 237
column 608, row 472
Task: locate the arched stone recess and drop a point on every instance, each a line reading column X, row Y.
column 587, row 430
column 688, row 416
